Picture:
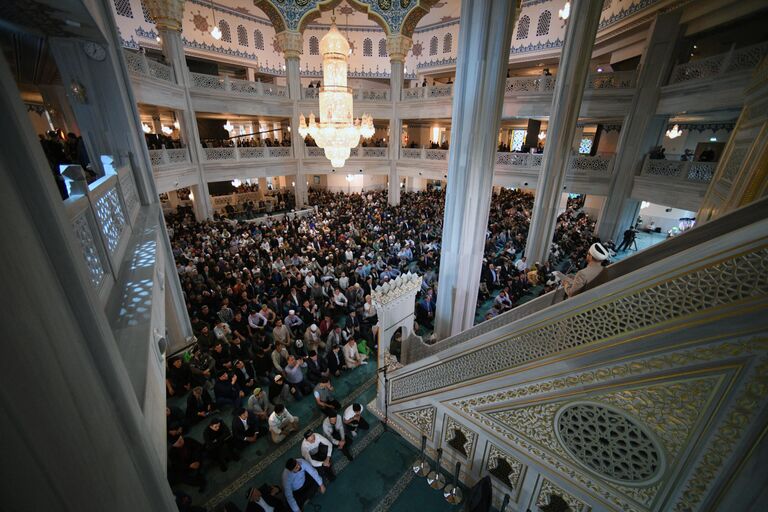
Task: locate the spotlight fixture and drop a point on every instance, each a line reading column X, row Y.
column 146, row 128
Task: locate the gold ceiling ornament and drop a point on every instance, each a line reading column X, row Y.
column 168, row 14
column 337, row 132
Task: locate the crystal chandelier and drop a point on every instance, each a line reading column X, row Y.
column 337, row 132
column 674, row 133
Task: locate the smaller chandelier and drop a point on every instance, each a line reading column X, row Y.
column 337, row 132
column 674, row 133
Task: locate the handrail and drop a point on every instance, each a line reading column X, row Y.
column 415, row 348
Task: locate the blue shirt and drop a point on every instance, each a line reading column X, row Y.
column 294, row 481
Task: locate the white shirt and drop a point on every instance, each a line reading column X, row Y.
column 521, row 265
column 308, row 448
column 276, row 421
column 351, row 354
column 349, row 413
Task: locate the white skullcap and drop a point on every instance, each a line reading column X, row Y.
column 313, row 327
column 598, row 252
column 291, row 312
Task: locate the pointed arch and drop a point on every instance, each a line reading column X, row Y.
column 382, row 47
column 447, row 43
column 544, row 20
column 242, row 36
column 314, row 46
column 226, row 35
column 367, row 47
column 433, row 45
column 258, row 39
column 522, row 27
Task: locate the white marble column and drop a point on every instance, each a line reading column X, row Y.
column 93, row 445
column 291, row 43
column 484, row 36
column 168, row 15
column 398, row 46
column 566, row 102
column 641, row 129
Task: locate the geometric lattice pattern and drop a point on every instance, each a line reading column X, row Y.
column 522, row 27
column 314, row 46
column 109, row 213
column 123, row 8
column 367, row 47
column 423, row 419
column 242, row 36
column 455, row 431
column 145, row 12
column 738, row 278
column 226, row 34
column 382, row 47
column 608, row 442
column 258, row 40
column 447, row 43
column 90, row 252
column 433, row 45
column 585, row 146
column 130, row 196
column 518, row 138
column 548, row 489
column 514, row 467
column 544, row 20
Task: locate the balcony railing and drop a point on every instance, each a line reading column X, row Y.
column 359, row 152
column 428, row 92
column 247, row 153
column 522, row 84
column 519, row 160
column 139, row 64
column 720, row 65
column 592, row 165
column 164, row 157
column 373, row 95
column 244, row 87
column 688, row 172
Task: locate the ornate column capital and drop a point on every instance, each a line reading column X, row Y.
column 398, row 46
column 168, row 14
column 291, row 42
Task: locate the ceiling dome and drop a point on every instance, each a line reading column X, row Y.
column 334, row 43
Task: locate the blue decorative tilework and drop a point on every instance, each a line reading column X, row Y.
column 294, row 10
column 623, row 13
column 150, row 34
column 434, row 63
column 529, row 3
column 549, row 45
column 130, row 44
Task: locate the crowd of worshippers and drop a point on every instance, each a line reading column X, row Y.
column 315, row 270
column 246, row 142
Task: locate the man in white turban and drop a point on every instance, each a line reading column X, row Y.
column 575, row 284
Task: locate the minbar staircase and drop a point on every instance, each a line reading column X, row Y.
column 649, row 391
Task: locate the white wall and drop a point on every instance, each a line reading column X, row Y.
column 689, row 139
column 666, row 220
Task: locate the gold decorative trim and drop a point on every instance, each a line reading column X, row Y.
column 451, row 425
column 547, row 489
column 516, row 477
column 420, row 418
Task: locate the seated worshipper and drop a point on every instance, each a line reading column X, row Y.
column 218, row 443
column 205, row 339
column 202, row 366
column 281, row 334
column 257, row 322
column 222, row 331
column 221, row 355
column 245, row 428
column 336, row 362
column 335, row 337
column 324, row 396
column 185, row 462
column 293, row 321
column 334, row 430
column 340, row 300
column 574, row 285
column 279, row 356
column 227, row 391
column 294, row 376
column 199, row 405
column 240, row 349
column 312, row 339
column 178, row 377
column 316, row 450
column 352, row 356
column 259, row 406
column 246, row 375
column 503, row 301
column 316, row 368
column 300, row 482
column 353, row 419
column 279, row 391
column 266, row 498
column 281, row 423
column 175, row 417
